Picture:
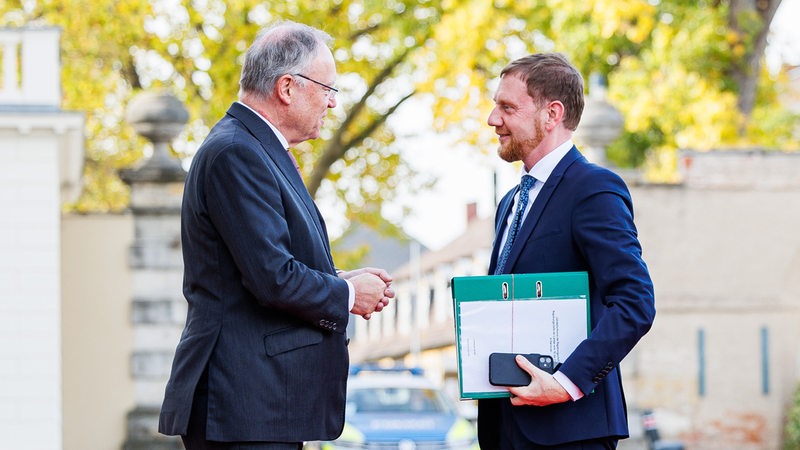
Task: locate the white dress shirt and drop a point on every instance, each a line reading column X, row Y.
column 542, row 171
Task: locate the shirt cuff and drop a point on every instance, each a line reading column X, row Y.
column 351, row 299
column 573, row 390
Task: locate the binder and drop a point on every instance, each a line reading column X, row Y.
column 545, row 313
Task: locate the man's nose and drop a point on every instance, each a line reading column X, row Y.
column 493, row 119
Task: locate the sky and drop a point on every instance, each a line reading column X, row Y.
column 465, row 174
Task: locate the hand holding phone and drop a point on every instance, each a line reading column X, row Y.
column 504, row 370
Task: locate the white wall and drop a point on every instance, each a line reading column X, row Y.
column 30, row 315
column 41, row 154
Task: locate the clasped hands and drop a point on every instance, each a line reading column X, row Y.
column 373, row 290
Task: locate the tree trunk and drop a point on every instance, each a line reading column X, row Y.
column 746, row 72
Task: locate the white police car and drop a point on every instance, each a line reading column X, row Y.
column 400, row 409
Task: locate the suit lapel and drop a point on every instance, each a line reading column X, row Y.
column 538, row 206
column 272, row 146
column 274, row 149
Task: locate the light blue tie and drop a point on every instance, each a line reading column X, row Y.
column 524, row 188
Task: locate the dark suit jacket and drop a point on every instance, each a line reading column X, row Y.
column 582, row 220
column 266, row 311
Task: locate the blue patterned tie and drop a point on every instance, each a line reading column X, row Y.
column 524, row 188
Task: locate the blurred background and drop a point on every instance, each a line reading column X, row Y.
column 103, row 103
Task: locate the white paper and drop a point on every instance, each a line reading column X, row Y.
column 548, row 327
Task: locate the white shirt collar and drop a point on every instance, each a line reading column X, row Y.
column 542, row 169
column 283, row 140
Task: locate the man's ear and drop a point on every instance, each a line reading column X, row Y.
column 555, row 113
column 285, row 88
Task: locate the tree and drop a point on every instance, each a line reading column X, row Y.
column 194, row 48
column 686, row 74
column 699, row 82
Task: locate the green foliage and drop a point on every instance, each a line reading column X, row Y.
column 674, row 67
column 792, row 429
column 194, row 49
column 350, row 257
column 630, row 149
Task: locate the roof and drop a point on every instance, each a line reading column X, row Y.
column 386, row 252
column 478, row 235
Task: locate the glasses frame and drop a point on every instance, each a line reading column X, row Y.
column 332, row 91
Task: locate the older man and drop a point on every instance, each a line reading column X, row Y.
column 263, row 361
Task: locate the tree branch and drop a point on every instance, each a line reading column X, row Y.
column 336, row 147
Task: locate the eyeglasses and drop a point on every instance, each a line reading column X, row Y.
column 331, row 90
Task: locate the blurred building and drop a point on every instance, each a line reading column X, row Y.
column 421, row 318
column 41, row 159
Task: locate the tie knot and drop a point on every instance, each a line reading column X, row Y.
column 527, row 183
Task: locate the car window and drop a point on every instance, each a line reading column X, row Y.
column 395, row 400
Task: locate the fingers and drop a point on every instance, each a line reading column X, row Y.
column 381, row 273
column 516, row 401
column 517, row 393
column 526, row 365
column 388, row 294
column 385, row 276
column 543, row 389
column 373, row 290
column 382, row 303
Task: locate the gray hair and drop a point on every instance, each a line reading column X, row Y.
column 284, row 48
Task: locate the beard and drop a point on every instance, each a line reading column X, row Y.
column 518, row 149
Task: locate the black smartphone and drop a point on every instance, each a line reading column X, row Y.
column 504, row 371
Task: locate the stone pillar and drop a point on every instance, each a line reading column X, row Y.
column 158, row 310
column 601, row 123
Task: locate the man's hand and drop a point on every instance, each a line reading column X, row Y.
column 542, row 391
column 373, row 290
column 384, row 275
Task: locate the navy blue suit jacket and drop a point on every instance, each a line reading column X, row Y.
column 266, row 311
column 581, row 220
